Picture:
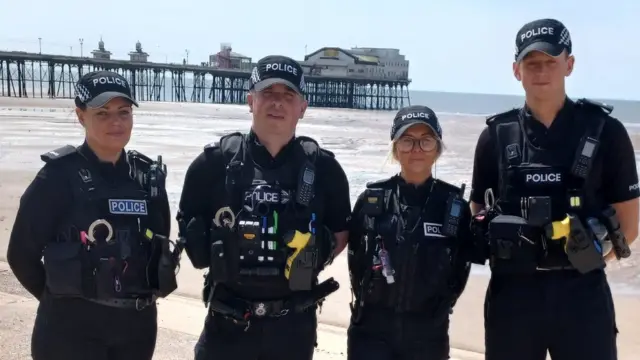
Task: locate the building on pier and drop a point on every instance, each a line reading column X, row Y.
column 361, row 63
column 101, row 52
column 138, row 55
column 53, row 76
column 227, row 59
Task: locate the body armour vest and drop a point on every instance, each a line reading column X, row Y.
column 541, row 185
column 404, row 261
column 267, row 244
column 103, row 249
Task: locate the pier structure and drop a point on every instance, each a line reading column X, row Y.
column 34, row 75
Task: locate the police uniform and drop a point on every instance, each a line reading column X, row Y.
column 551, row 221
column 100, row 229
column 264, row 227
column 101, row 270
column 407, row 261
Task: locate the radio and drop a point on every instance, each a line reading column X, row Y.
column 584, row 157
column 452, row 217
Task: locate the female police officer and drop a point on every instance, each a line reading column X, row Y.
column 405, row 254
column 92, row 213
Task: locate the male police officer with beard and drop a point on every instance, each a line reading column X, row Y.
column 265, row 212
column 564, row 177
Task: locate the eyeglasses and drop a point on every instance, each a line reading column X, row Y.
column 407, row 144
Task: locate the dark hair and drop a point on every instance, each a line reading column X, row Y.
column 79, row 104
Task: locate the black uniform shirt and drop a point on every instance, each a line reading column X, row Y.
column 614, row 163
column 44, row 205
column 205, row 178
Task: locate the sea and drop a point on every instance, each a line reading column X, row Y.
column 359, row 138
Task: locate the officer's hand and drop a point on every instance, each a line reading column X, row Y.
column 610, row 256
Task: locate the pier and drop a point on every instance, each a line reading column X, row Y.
column 34, row 75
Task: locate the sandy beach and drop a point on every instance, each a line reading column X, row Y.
column 179, row 131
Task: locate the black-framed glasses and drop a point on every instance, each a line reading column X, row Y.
column 407, row 144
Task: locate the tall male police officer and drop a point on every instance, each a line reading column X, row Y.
column 563, row 174
column 266, row 211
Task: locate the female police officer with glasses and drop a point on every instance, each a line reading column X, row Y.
column 405, row 250
column 99, row 216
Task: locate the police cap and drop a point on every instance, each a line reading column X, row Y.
column 275, row 69
column 549, row 36
column 412, row 115
column 97, row 88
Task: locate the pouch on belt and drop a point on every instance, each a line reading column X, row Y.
column 582, row 248
column 514, row 244
column 167, row 281
column 63, row 268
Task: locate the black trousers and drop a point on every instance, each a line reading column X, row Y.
column 385, row 335
column 75, row 329
column 568, row 314
column 289, row 337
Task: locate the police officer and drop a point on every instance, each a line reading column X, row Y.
column 99, row 216
column 265, row 211
column 407, row 252
column 554, row 190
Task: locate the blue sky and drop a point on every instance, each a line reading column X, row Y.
column 453, row 45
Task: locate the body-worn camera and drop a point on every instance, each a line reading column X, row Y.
column 537, row 210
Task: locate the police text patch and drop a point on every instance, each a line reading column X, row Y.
column 127, row 207
column 432, row 229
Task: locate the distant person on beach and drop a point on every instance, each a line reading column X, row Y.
column 564, row 179
column 99, row 216
column 407, row 250
column 265, row 212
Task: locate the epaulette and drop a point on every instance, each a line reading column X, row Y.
column 134, row 155
column 327, row 152
column 211, row 146
column 593, row 105
column 382, row 184
column 306, row 139
column 58, row 153
column 446, row 187
column 502, row 115
column 309, row 145
column 216, row 144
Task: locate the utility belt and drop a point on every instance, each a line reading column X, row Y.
column 536, row 243
column 242, row 311
column 137, row 303
column 518, row 247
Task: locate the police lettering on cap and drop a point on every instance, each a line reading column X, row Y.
column 275, row 69
column 416, row 115
column 549, row 36
column 536, row 32
column 412, row 115
column 97, row 88
column 282, row 67
column 103, row 80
